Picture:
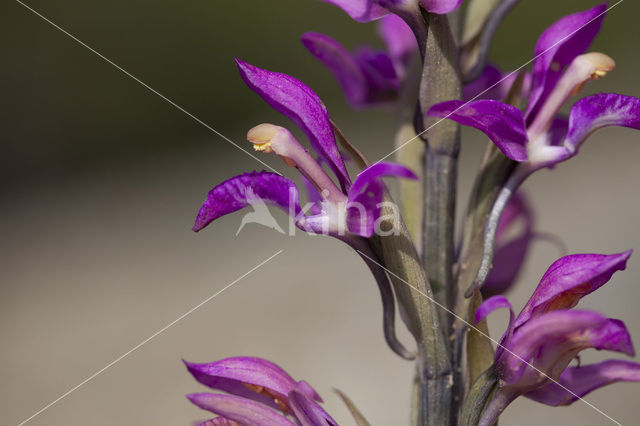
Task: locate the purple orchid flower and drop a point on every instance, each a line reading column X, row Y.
column 367, row 76
column 258, row 392
column 538, row 345
column 560, row 69
column 538, row 138
column 370, row 10
column 349, row 210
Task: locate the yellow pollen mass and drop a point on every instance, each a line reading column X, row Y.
column 264, row 147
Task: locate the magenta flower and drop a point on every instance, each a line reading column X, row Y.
column 547, row 335
column 370, row 10
column 349, row 211
column 536, row 138
column 258, row 392
column 367, row 76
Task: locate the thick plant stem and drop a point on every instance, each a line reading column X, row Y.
column 440, row 82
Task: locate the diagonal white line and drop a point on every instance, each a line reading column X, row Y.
column 163, row 329
column 145, row 85
column 494, row 85
column 490, row 338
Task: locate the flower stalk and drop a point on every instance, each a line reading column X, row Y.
column 440, row 80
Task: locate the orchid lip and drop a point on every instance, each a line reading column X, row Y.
column 270, row 138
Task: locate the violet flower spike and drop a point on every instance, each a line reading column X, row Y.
column 258, row 392
column 547, row 335
column 350, row 212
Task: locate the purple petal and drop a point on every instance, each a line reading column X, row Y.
column 360, row 10
column 341, row 63
column 301, row 105
column 241, row 410
column 557, row 47
column 552, row 340
column 507, row 264
column 399, row 39
column 440, row 6
column 219, row 421
column 502, row 123
column 307, row 412
column 245, row 190
column 490, row 305
column 585, row 379
column 313, row 196
column 548, row 342
column 366, row 194
column 612, row 336
column 597, row 111
column 494, row 84
column 233, row 374
column 558, row 130
column 570, row 278
column 379, row 73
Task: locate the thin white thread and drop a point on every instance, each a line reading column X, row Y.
column 163, row 329
column 145, row 85
column 493, row 340
column 494, row 85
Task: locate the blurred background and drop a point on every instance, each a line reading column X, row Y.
column 101, row 180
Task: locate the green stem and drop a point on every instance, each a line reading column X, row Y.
column 440, row 82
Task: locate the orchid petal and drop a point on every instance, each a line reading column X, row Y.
column 507, row 264
column 490, row 305
column 307, row 412
column 585, row 379
column 399, row 39
column 558, row 130
column 313, row 196
column 246, row 190
column 597, row 111
column 502, row 123
column 238, row 409
column 219, row 421
column 366, row 194
column 558, row 45
column 440, row 6
column 232, row 375
column 380, row 74
column 341, row 63
column 570, row 278
column 360, row 10
column 301, row 105
column 552, row 340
